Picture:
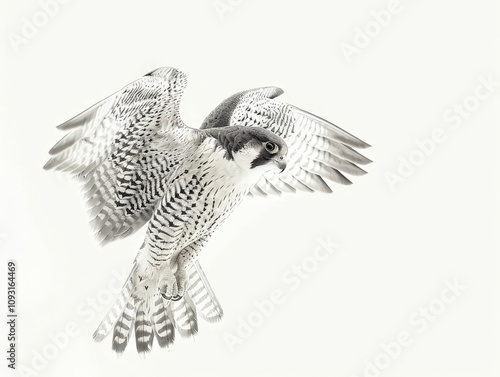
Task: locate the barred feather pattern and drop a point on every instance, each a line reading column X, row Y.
column 123, row 203
column 117, row 309
column 318, row 150
column 184, row 313
column 167, row 316
column 143, row 331
column 123, row 328
column 198, row 200
column 124, row 148
column 203, row 296
column 163, row 322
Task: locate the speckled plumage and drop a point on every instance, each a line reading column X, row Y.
column 140, row 164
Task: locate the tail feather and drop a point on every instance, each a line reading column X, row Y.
column 143, row 331
column 203, row 295
column 116, row 311
column 184, row 313
column 163, row 323
column 123, row 328
column 128, row 314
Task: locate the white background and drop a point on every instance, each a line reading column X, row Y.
column 398, row 243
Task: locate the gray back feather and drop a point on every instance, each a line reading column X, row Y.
column 221, row 115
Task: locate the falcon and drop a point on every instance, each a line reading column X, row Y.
column 141, row 165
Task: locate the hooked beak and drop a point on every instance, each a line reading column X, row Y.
column 280, row 163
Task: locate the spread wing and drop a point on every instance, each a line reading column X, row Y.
column 317, row 149
column 124, row 148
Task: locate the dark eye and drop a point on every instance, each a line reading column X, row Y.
column 271, row 147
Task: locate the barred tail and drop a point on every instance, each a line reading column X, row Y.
column 118, row 309
column 143, row 330
column 163, row 323
column 122, row 330
column 203, row 295
column 184, row 313
column 130, row 314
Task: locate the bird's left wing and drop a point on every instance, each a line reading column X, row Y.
column 317, row 149
column 124, row 148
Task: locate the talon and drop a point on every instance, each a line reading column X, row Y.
column 173, row 286
column 171, row 298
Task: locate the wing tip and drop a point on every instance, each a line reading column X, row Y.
column 344, row 136
column 49, row 165
column 321, row 185
column 363, row 144
column 355, row 170
column 353, row 141
column 55, row 150
column 68, row 125
column 363, row 171
column 365, row 160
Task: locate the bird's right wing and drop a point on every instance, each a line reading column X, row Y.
column 124, row 148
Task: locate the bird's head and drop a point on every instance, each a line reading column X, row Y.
column 253, row 148
column 242, row 123
column 260, row 150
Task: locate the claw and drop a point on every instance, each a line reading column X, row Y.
column 174, row 286
column 171, row 298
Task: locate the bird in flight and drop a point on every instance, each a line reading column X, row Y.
column 141, row 165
